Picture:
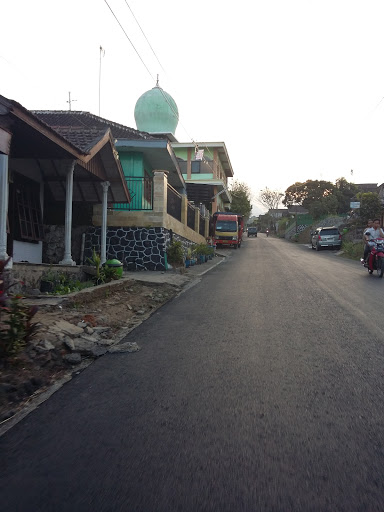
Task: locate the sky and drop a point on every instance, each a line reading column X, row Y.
column 294, row 88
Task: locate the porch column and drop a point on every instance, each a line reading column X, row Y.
column 67, row 260
column 3, row 205
column 105, row 186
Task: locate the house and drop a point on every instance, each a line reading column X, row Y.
column 297, row 209
column 139, row 232
column 277, row 213
column 52, row 179
column 206, row 168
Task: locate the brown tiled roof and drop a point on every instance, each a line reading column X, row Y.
column 83, row 138
column 60, row 119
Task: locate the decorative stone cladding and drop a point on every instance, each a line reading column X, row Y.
column 53, row 245
column 187, row 244
column 137, row 248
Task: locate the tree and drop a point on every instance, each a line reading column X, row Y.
column 307, row 193
column 270, row 199
column 344, row 192
column 241, row 199
column 370, row 205
column 326, row 206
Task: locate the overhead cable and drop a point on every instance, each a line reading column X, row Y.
column 142, row 31
column 126, row 35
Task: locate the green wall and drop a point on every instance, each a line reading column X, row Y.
column 134, row 164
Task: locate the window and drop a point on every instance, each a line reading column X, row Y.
column 226, row 225
column 27, row 199
column 195, row 166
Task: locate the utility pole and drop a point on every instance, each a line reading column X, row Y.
column 102, row 53
column 69, row 101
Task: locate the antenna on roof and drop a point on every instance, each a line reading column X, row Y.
column 157, row 81
column 69, row 101
column 102, row 53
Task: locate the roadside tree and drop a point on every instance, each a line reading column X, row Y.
column 370, row 205
column 270, row 199
column 241, row 199
column 308, row 193
column 344, row 192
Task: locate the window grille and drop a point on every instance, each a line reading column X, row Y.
column 29, row 211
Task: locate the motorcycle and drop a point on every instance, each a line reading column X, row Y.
column 267, row 232
column 375, row 260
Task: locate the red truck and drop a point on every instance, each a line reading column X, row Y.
column 227, row 229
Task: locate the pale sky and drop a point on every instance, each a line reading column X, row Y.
column 293, row 87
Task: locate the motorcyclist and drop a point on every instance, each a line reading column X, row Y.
column 365, row 241
column 370, row 234
column 267, row 232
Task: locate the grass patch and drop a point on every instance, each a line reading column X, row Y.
column 353, row 251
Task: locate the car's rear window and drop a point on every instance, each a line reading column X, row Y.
column 326, row 232
column 252, row 229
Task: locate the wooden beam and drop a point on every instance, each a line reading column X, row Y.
column 5, row 141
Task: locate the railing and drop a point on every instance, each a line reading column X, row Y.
column 173, row 203
column 202, row 225
column 191, row 216
column 141, row 192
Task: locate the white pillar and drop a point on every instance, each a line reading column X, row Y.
column 105, row 187
column 3, row 205
column 67, row 260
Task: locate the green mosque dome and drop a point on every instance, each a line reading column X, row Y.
column 156, row 112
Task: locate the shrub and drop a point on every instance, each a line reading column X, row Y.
column 16, row 327
column 104, row 274
column 353, row 251
column 175, row 253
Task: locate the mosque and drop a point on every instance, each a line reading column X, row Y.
column 205, row 166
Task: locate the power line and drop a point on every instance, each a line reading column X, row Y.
column 126, row 35
column 161, row 90
column 142, row 31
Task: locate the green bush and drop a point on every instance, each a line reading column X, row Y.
column 175, row 254
column 16, row 327
column 353, row 251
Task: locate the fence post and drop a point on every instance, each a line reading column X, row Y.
column 206, row 231
column 184, row 209
column 160, row 191
column 197, row 219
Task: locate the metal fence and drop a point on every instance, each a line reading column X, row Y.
column 191, row 216
column 141, row 192
column 173, row 203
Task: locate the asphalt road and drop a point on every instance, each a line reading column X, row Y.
column 258, row 389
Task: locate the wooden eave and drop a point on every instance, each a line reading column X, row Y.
column 24, row 115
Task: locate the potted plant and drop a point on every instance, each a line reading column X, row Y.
column 188, row 258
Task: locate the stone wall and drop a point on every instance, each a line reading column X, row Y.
column 27, row 276
column 53, row 246
column 328, row 221
column 137, row 248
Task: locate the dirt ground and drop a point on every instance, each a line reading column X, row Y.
column 119, row 307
